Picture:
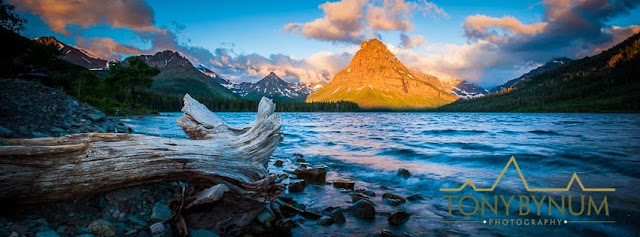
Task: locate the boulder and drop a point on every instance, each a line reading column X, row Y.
column 278, row 163
column 415, row 197
column 355, row 197
column 312, row 174
column 344, row 183
column 363, row 210
column 404, row 173
column 157, row 228
column 369, row 193
column 338, row 216
column 160, row 212
column 102, row 228
column 398, row 218
column 286, row 224
column 393, row 199
column 297, row 185
column 325, row 220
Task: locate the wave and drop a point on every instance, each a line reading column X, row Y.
column 545, row 132
column 452, row 132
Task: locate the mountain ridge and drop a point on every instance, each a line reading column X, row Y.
column 606, row 82
column 75, row 55
column 376, row 79
column 179, row 76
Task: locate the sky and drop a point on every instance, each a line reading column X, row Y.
column 485, row 42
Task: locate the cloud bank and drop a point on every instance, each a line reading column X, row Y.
column 573, row 28
column 58, row 14
column 352, row 21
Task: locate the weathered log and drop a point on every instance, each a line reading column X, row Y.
column 80, row 165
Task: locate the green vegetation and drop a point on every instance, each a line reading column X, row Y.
column 126, row 87
column 137, row 75
column 607, row 82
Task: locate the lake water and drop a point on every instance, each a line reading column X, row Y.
column 443, row 150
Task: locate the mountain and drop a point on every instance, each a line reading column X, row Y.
column 271, row 86
column 275, row 88
column 461, row 88
column 220, row 80
column 75, row 55
column 546, row 67
column 179, row 76
column 376, row 79
column 606, row 82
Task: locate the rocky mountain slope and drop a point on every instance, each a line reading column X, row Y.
column 461, row 88
column 606, row 82
column 30, row 109
column 546, row 67
column 179, row 76
column 376, row 79
column 75, row 55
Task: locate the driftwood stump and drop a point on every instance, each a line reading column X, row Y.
column 232, row 161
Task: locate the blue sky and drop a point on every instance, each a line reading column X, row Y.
column 251, row 31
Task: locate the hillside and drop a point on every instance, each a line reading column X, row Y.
column 606, row 82
column 179, row 76
column 376, row 79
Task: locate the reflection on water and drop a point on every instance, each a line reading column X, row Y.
column 444, row 150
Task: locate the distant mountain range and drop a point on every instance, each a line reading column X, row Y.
column 376, row 79
column 75, row 55
column 606, row 82
column 461, row 88
column 271, row 86
column 546, row 67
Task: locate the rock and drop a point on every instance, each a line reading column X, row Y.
column 266, row 218
column 160, row 212
column 297, row 185
column 286, row 224
column 102, row 228
column 355, row 197
column 393, row 199
column 201, row 233
column 398, row 218
column 404, row 173
column 344, row 183
column 369, row 193
column 157, row 228
column 310, row 215
column 278, row 163
column 300, row 160
column 338, row 216
column 311, row 174
column 325, row 220
column 298, row 155
column 363, row 210
column 135, row 220
column 415, row 197
column 50, row 233
column 94, row 117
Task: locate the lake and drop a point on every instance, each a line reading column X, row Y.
column 444, row 150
